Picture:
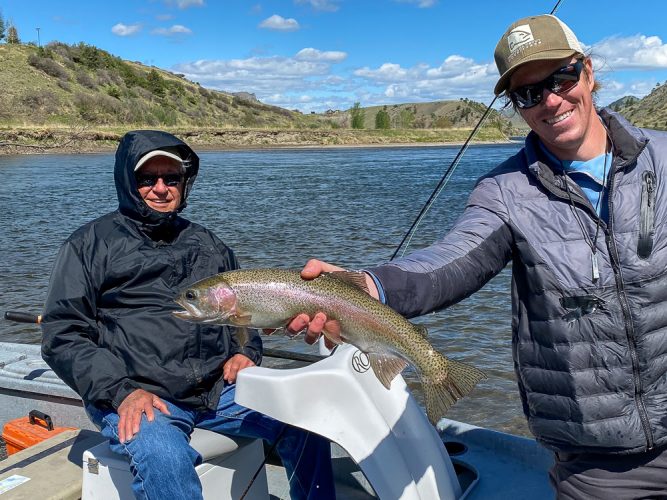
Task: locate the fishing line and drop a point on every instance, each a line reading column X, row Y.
column 266, row 458
column 448, row 173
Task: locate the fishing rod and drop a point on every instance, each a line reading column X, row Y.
column 448, row 173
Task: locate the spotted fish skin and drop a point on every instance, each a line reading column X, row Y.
column 270, row 298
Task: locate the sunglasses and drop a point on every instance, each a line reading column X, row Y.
column 170, row 180
column 560, row 81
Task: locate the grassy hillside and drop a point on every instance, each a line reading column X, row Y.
column 67, row 85
column 430, row 115
column 650, row 112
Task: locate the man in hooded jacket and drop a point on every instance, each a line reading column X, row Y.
column 146, row 377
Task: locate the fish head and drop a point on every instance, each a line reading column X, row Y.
column 207, row 303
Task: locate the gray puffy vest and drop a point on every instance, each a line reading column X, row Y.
column 590, row 355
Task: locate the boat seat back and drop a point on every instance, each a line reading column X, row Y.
column 384, row 431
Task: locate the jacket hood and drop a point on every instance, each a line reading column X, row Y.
column 131, row 148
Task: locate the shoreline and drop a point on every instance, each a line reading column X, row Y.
column 27, row 141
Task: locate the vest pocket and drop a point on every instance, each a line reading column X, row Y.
column 647, row 216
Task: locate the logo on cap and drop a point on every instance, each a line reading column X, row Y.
column 519, row 39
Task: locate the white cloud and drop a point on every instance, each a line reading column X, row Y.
column 121, row 29
column 634, row 52
column 613, row 90
column 323, row 5
column 184, row 4
column 176, row 29
column 456, row 77
column 279, row 80
column 164, row 17
column 279, row 23
column 310, row 54
column 422, row 4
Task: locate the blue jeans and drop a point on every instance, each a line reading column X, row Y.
column 163, row 462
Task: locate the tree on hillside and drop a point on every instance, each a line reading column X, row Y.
column 406, row 118
column 382, row 120
column 2, row 27
column 358, row 116
column 12, row 35
column 156, row 83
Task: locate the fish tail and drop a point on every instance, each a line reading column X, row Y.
column 441, row 392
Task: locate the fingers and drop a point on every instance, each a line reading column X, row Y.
column 234, row 365
column 160, row 405
column 315, row 328
column 314, row 268
column 131, row 410
column 298, row 324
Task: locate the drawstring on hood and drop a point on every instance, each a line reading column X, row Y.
column 131, row 148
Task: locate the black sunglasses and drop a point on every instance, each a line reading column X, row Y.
column 558, row 82
column 170, row 180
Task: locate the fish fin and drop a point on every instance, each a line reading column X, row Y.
column 355, row 278
column 333, row 338
column 442, row 392
column 242, row 336
column 242, row 320
column 421, row 330
column 386, row 366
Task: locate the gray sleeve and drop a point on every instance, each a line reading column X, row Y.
column 476, row 249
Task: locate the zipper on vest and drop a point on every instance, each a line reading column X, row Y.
column 627, row 317
column 646, row 216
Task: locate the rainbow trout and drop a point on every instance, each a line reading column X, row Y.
column 270, row 298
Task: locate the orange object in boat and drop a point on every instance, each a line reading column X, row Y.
column 21, row 433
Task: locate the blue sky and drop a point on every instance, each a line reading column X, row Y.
column 315, row 55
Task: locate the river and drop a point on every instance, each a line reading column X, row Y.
column 278, row 208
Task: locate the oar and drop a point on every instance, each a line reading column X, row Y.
column 23, row 317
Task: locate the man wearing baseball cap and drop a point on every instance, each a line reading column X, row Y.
column 147, row 378
column 581, row 213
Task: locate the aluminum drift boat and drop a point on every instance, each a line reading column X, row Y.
column 384, row 446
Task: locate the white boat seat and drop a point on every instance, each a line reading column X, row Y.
column 210, row 444
column 227, row 469
column 384, row 431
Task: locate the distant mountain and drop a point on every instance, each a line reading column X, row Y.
column 462, row 113
column 650, row 111
column 623, row 102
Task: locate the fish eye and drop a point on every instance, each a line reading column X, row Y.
column 190, row 294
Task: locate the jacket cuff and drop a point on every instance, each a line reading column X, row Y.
column 252, row 353
column 126, row 388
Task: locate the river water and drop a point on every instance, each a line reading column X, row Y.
column 278, row 208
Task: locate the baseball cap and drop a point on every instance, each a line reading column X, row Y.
column 536, row 38
column 159, row 152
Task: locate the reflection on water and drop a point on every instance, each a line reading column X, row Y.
column 279, row 208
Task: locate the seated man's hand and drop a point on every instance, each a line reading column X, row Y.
column 234, row 365
column 131, row 409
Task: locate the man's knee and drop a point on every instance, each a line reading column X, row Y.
column 160, row 443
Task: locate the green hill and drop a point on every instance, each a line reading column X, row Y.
column 65, row 85
column 463, row 114
column 650, row 111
